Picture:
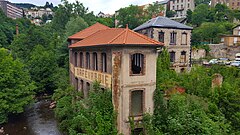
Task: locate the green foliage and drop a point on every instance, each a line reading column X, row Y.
column 88, row 116
column 16, row 87
column 132, row 16
column 154, row 9
column 106, row 21
column 170, row 13
column 75, row 25
column 198, row 2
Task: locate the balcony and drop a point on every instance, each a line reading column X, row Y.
column 91, row 75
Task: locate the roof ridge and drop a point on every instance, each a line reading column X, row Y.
column 155, row 20
column 126, row 34
column 147, row 38
column 116, row 36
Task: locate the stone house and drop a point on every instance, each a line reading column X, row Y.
column 121, row 60
column 232, row 40
column 175, row 36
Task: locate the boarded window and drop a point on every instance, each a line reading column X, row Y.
column 95, row 61
column 161, row 37
column 184, row 38
column 136, row 103
column 172, row 56
column 87, row 60
column 137, row 63
column 104, row 62
column 183, row 57
column 173, row 38
column 81, row 59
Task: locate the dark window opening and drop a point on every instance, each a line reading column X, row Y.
column 137, row 61
column 104, row 62
column 182, row 70
column 76, row 84
column 136, row 103
column 81, row 59
column 173, row 38
column 87, row 60
column 138, row 131
column 95, row 61
column 172, row 56
column 183, row 57
column 75, row 59
column 161, row 37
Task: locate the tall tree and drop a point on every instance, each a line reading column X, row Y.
column 16, row 87
column 155, row 9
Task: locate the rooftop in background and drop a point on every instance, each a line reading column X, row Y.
column 88, row 31
column 163, row 22
column 116, row 36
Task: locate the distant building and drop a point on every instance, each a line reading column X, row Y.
column 181, row 7
column 232, row 4
column 101, row 14
column 175, row 36
column 232, row 40
column 11, row 10
column 38, row 12
column 121, row 60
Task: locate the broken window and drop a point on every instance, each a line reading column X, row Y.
column 95, row 61
column 136, row 103
column 161, row 37
column 104, row 62
column 183, row 57
column 137, row 63
column 172, row 56
column 87, row 60
column 81, row 59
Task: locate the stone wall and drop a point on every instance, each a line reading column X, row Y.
column 223, row 51
column 198, row 54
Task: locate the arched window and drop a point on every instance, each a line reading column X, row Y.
column 161, row 37
column 173, row 38
column 183, row 57
column 81, row 59
column 87, row 60
column 81, row 87
column 136, row 103
column 95, row 61
column 75, row 59
column 172, row 56
column 104, row 62
column 137, row 63
column 76, row 84
column 184, row 38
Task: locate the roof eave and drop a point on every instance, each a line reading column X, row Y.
column 119, row 45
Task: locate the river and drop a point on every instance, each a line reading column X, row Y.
column 38, row 119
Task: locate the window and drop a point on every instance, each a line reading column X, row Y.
column 81, row 83
column 183, row 57
column 95, row 61
column 87, row 89
column 81, row 59
column 184, row 38
column 182, row 70
column 104, row 62
column 138, row 131
column 172, row 56
column 137, row 63
column 87, row 60
column 177, row 7
column 76, row 84
column 136, row 103
column 173, row 37
column 75, row 59
column 161, row 37
column 188, row 5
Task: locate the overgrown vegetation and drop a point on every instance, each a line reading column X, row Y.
column 201, row 109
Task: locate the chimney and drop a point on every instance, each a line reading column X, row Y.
column 17, row 30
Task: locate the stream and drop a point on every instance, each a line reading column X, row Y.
column 37, row 119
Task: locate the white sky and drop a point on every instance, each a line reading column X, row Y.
column 106, row 6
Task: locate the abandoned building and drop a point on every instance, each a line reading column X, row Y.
column 121, row 60
column 175, row 36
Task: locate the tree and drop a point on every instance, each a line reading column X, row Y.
column 16, row 87
column 198, row 2
column 106, row 21
column 170, row 13
column 155, row 9
column 75, row 25
column 200, row 14
column 132, row 16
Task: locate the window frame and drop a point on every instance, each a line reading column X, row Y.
column 161, row 35
column 143, row 109
column 88, row 60
column 104, row 62
column 142, row 72
column 174, row 56
column 173, row 37
column 184, row 33
column 183, row 58
column 95, row 61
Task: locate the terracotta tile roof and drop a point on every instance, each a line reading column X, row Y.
column 88, row 31
column 116, row 36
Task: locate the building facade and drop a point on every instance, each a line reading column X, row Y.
column 181, row 7
column 232, row 4
column 175, row 36
column 11, row 10
column 121, row 60
column 232, row 40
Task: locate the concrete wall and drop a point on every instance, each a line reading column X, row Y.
column 128, row 83
column 221, row 50
column 198, row 53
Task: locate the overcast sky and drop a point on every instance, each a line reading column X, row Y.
column 106, row 6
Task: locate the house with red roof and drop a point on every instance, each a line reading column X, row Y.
column 123, row 61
